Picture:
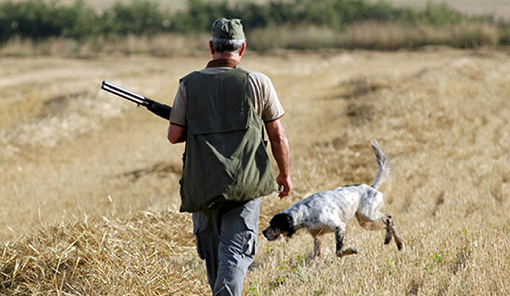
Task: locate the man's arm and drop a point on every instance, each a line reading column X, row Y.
column 281, row 152
column 177, row 130
column 176, row 133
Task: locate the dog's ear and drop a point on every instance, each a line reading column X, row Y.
column 290, row 226
column 284, row 222
column 276, row 221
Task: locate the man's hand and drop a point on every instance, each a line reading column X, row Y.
column 286, row 184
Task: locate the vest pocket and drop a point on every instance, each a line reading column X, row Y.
column 221, row 123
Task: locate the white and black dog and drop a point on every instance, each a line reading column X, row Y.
column 328, row 211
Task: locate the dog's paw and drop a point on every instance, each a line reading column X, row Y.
column 345, row 252
column 400, row 246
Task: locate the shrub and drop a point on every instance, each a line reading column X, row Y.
column 138, row 18
column 199, row 16
column 441, row 14
column 39, row 20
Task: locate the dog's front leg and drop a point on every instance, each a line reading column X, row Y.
column 339, row 236
column 317, row 243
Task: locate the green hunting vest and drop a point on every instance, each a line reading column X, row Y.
column 225, row 157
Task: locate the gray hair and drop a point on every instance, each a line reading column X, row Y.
column 222, row 44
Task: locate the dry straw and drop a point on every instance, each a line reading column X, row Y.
column 441, row 115
column 143, row 255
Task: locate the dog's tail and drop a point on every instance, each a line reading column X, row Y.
column 383, row 165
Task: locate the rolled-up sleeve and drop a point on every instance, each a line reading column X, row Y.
column 265, row 97
column 178, row 114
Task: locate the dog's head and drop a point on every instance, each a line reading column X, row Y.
column 280, row 224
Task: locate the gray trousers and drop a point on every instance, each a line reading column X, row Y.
column 227, row 240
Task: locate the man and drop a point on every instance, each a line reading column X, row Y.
column 220, row 113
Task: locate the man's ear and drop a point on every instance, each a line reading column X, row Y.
column 243, row 48
column 211, row 47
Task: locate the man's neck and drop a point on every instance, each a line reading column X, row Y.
column 227, row 56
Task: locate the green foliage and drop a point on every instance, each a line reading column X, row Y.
column 38, row 20
column 276, row 283
column 441, row 14
column 138, row 18
column 256, row 289
column 199, row 16
column 504, row 33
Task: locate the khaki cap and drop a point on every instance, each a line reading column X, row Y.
column 227, row 29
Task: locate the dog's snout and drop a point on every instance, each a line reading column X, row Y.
column 270, row 233
column 265, row 233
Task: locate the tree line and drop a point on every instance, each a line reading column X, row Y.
column 38, row 20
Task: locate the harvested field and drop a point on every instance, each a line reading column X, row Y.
column 89, row 189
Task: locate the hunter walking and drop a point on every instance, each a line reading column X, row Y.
column 220, row 112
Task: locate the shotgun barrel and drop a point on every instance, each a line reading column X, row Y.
column 157, row 108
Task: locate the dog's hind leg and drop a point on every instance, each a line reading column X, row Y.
column 381, row 221
column 376, row 221
column 370, row 217
column 391, row 231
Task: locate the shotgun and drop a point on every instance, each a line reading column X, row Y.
column 159, row 109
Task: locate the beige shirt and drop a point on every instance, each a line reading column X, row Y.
column 266, row 101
